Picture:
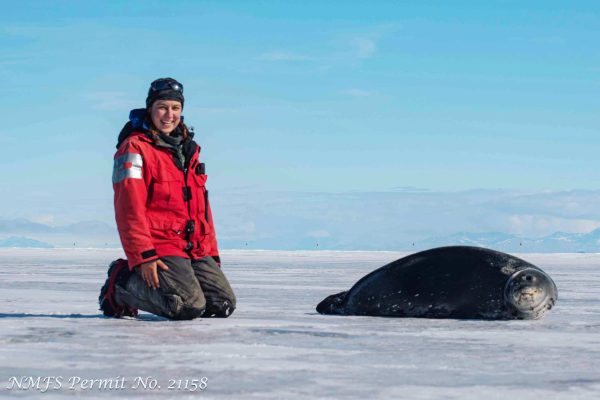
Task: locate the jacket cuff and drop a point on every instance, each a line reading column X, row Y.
column 148, row 254
column 135, row 260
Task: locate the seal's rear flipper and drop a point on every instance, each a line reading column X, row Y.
column 332, row 304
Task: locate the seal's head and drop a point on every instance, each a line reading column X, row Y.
column 529, row 293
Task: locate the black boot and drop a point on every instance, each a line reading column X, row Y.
column 118, row 274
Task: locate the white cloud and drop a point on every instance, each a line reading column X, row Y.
column 540, row 225
column 44, row 219
column 366, row 44
column 394, row 218
column 364, row 47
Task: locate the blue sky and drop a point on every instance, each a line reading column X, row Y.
column 314, row 96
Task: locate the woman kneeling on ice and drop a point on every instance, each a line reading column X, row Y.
column 164, row 218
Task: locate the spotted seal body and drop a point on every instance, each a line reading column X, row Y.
column 450, row 282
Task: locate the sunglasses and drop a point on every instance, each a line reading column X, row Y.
column 164, row 85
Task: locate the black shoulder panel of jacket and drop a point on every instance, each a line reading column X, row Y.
column 125, row 132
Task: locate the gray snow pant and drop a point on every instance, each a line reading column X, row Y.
column 188, row 289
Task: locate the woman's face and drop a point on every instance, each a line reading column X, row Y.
column 166, row 115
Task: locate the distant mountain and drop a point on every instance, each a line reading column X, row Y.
column 19, row 241
column 16, row 226
column 556, row 243
column 26, row 226
column 281, row 230
column 88, row 228
column 481, row 239
column 80, row 234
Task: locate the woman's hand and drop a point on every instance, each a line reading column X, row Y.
column 150, row 274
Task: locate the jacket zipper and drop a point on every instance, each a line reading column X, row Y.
column 190, row 224
column 206, row 205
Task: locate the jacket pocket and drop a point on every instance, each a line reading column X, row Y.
column 167, row 229
column 165, row 187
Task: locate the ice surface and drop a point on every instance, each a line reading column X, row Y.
column 276, row 346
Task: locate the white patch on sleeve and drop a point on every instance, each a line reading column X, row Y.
column 128, row 165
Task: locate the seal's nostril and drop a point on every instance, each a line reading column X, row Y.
column 529, row 278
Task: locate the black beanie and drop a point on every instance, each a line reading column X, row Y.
column 164, row 89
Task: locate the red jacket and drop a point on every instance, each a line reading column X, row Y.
column 160, row 209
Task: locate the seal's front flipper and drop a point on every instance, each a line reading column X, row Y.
column 332, row 304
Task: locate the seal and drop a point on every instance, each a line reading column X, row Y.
column 460, row 282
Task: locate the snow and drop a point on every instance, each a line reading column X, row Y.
column 276, row 346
